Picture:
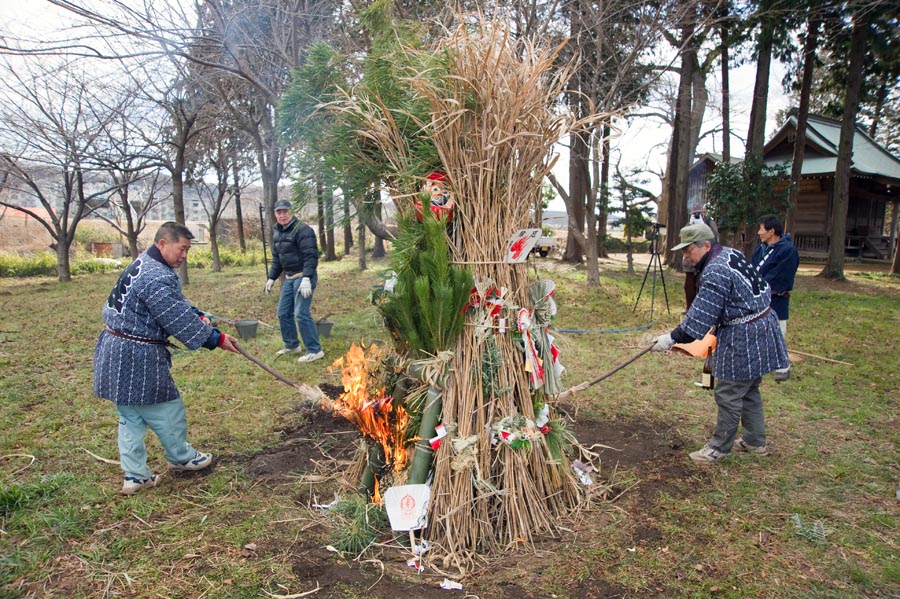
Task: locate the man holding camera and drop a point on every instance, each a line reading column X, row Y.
column 691, row 278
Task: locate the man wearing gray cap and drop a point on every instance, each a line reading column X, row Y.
column 296, row 253
column 735, row 300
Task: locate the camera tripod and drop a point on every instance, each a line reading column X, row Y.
column 654, row 264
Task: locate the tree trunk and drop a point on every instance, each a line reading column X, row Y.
column 328, row 202
column 320, row 213
column 895, row 267
column 578, row 160
column 361, row 251
column 378, row 246
column 880, row 98
column 603, row 217
column 809, row 63
column 590, row 212
column 214, row 244
column 757, row 130
column 348, row 227
column 238, row 213
column 63, row 266
column 834, row 267
column 726, row 99
column 679, row 158
column 178, row 201
column 699, row 100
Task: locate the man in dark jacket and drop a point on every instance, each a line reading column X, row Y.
column 777, row 260
column 734, row 299
column 132, row 362
column 296, row 253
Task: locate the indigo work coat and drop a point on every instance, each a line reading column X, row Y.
column 733, row 297
column 145, row 304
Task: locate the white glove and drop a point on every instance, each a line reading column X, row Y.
column 305, row 287
column 663, row 343
column 269, row 284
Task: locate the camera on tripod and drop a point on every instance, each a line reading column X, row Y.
column 652, row 233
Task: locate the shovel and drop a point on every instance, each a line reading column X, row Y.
column 312, row 393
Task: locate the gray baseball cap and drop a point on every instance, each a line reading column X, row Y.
column 693, row 233
column 283, row 205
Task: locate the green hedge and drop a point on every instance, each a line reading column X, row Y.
column 44, row 264
column 614, row 245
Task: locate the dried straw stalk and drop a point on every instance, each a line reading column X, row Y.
column 494, row 128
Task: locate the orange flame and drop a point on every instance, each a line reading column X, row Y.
column 365, row 405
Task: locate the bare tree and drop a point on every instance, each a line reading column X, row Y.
column 213, row 158
column 132, row 140
column 613, row 41
column 50, row 131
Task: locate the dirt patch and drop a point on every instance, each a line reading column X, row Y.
column 319, row 443
column 640, row 459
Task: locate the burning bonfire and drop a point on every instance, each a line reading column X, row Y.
column 381, row 421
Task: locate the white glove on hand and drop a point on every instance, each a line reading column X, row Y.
column 663, row 343
column 305, row 287
column 269, row 284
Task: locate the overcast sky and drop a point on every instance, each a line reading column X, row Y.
column 643, row 144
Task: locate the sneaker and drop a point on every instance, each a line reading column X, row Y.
column 284, row 351
column 782, row 375
column 312, row 357
column 134, row 485
column 707, row 455
column 743, row 446
column 198, row 462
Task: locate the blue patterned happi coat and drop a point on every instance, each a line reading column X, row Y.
column 734, row 297
column 146, row 303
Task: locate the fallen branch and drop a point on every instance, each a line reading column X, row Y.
column 19, row 455
column 583, row 386
column 98, row 458
column 824, row 359
column 295, row 595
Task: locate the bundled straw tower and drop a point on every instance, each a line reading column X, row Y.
column 493, row 123
column 494, row 128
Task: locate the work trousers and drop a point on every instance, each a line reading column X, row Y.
column 739, row 402
column 294, row 314
column 168, row 420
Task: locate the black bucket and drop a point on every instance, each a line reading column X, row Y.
column 246, row 329
column 323, row 328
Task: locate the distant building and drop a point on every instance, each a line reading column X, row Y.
column 874, row 188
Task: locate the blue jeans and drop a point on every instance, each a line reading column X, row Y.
column 168, row 420
column 739, row 403
column 293, row 314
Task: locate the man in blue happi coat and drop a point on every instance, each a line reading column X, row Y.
column 777, row 261
column 132, row 361
column 734, row 299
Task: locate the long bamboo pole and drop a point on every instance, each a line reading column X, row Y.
column 605, row 375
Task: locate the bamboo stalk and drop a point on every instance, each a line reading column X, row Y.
column 605, row 375
column 824, row 359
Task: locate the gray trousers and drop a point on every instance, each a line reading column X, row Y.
column 739, row 403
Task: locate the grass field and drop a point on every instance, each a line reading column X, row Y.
column 819, row 518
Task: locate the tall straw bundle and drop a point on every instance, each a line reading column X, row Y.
column 494, row 127
column 491, row 100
